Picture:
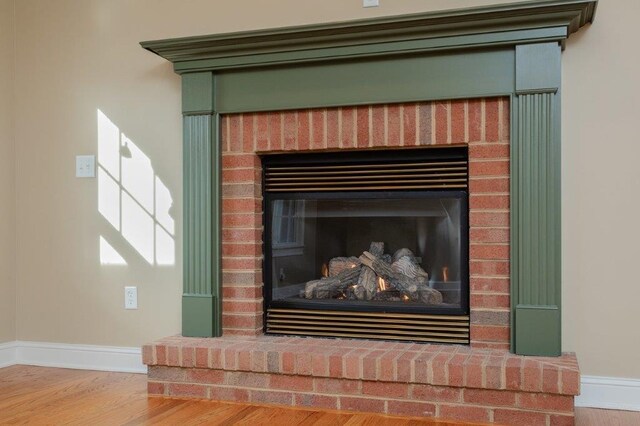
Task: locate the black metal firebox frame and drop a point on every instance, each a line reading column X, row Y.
column 355, row 158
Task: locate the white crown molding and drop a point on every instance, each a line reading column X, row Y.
column 609, row 392
column 63, row 355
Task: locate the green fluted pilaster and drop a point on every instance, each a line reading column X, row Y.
column 535, row 203
column 201, row 310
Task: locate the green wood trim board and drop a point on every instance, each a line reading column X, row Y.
column 507, row 50
column 371, row 51
column 406, row 79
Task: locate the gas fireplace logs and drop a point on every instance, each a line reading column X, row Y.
column 415, row 290
column 367, row 286
column 406, row 266
column 339, row 264
column 331, row 287
column 375, row 276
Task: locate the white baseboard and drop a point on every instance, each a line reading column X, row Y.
column 63, row 355
column 7, row 354
column 609, row 392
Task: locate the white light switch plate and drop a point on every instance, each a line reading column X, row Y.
column 131, row 297
column 85, row 166
column 370, row 3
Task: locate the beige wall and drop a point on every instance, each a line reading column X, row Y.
column 601, row 193
column 7, row 177
column 77, row 57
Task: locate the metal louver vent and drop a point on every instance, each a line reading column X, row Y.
column 434, row 173
column 370, row 325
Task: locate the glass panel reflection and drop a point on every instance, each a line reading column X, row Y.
column 369, row 251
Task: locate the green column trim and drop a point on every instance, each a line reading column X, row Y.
column 201, row 301
column 506, row 50
column 535, row 202
column 197, row 93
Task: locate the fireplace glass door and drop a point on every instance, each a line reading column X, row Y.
column 396, row 251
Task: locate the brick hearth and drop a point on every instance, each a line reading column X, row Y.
column 447, row 381
column 482, row 382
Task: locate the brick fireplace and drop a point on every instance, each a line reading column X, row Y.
column 481, row 382
column 481, row 124
column 484, row 80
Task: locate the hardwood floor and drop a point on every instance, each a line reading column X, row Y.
column 37, row 395
column 595, row 417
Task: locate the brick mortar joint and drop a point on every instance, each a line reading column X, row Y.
column 515, row 407
column 381, row 380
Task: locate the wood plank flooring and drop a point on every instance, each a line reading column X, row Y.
column 595, row 417
column 54, row 396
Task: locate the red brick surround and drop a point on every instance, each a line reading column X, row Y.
column 447, row 381
column 482, row 124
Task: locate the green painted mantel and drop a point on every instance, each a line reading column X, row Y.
column 507, row 50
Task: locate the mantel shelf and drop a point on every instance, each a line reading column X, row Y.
column 508, row 24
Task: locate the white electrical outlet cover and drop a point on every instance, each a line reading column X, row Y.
column 85, row 166
column 370, row 3
column 131, row 297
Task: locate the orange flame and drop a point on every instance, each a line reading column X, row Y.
column 382, row 284
column 445, row 273
column 325, row 270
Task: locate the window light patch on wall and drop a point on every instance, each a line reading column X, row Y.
column 132, row 198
